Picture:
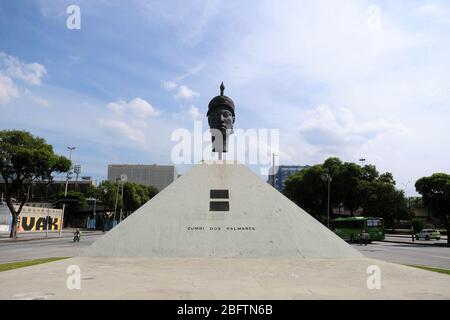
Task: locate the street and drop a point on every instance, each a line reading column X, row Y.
column 40, row 248
column 64, row 247
column 430, row 256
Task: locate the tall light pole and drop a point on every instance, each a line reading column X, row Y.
column 326, row 177
column 362, row 160
column 117, row 199
column 409, row 209
column 123, row 179
column 65, row 191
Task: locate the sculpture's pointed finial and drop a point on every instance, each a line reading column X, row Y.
column 222, row 88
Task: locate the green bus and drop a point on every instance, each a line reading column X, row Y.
column 350, row 229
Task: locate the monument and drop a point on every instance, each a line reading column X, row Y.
column 221, row 209
column 178, row 245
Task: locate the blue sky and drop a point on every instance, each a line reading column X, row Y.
column 338, row 78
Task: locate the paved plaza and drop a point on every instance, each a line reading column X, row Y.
column 219, row 278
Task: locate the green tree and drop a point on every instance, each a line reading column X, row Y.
column 74, row 201
column 307, row 190
column 347, row 183
column 387, row 178
column 382, row 199
column 131, row 198
column 24, row 159
column 369, row 173
column 435, row 191
column 107, row 193
column 136, row 195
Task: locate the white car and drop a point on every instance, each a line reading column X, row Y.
column 428, row 234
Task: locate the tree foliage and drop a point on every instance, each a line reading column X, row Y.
column 133, row 197
column 435, row 191
column 24, row 159
column 74, row 201
column 352, row 187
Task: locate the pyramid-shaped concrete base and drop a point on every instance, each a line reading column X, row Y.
column 260, row 222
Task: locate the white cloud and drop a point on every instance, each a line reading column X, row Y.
column 31, row 73
column 191, row 21
column 138, row 107
column 8, row 90
column 38, row 100
column 190, row 72
column 129, row 121
column 431, row 9
column 325, row 128
column 186, row 93
column 183, row 92
column 41, row 101
column 195, row 113
column 121, row 129
column 169, row 85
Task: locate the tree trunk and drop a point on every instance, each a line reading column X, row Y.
column 13, row 233
column 15, row 215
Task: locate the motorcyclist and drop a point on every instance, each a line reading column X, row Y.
column 76, row 235
column 364, row 238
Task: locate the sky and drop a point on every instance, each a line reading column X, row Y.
column 352, row 79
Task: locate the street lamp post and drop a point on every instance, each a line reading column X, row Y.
column 95, row 214
column 362, row 160
column 92, row 222
column 409, row 209
column 123, row 179
column 327, row 177
column 65, row 191
column 117, row 199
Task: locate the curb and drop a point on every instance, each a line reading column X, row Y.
column 419, row 244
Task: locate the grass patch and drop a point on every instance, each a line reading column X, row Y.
column 444, row 271
column 21, row 264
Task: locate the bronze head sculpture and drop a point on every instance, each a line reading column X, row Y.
column 221, row 119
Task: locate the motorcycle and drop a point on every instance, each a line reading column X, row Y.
column 76, row 237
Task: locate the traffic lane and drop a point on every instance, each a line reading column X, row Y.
column 431, row 256
column 36, row 249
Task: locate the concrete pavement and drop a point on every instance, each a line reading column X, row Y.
column 221, row 278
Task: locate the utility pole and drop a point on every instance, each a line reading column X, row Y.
column 65, row 191
column 123, row 179
column 121, row 209
column 95, row 214
column 327, row 177
column 117, row 199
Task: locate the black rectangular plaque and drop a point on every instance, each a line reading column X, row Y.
column 219, row 206
column 219, row 194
